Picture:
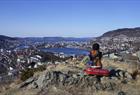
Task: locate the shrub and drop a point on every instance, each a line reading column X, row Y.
column 29, row 72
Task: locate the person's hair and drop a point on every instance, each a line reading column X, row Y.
column 96, row 46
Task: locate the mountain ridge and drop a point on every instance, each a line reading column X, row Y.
column 3, row 37
column 129, row 32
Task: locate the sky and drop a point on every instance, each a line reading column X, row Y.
column 66, row 18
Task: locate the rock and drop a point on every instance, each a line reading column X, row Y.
column 121, row 74
column 99, row 86
column 121, row 93
column 57, row 78
column 62, row 77
column 124, row 81
column 32, row 86
column 70, row 81
column 128, row 76
column 74, row 76
column 109, row 86
column 114, row 78
column 40, row 80
column 104, row 79
column 27, row 82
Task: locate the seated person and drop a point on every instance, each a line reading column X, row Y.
column 95, row 57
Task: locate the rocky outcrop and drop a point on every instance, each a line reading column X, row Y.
column 58, row 78
column 72, row 79
column 67, row 79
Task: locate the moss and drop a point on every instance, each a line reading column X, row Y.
column 29, row 72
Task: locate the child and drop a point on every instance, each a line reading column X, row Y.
column 95, row 56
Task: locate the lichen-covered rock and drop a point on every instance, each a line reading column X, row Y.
column 27, row 82
column 66, row 78
column 128, row 76
column 58, row 78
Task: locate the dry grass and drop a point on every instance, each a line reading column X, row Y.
column 74, row 91
column 20, row 92
column 132, row 88
column 131, row 67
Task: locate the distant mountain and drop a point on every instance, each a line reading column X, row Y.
column 2, row 37
column 7, row 42
column 10, row 42
column 66, row 39
column 56, row 39
column 120, row 39
column 129, row 32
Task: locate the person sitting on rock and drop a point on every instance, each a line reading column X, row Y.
column 95, row 56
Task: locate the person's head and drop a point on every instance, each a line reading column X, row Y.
column 96, row 46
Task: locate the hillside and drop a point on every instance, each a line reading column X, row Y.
column 55, row 39
column 68, row 79
column 7, row 42
column 2, row 37
column 120, row 39
column 129, row 32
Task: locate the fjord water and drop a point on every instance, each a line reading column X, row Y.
column 69, row 51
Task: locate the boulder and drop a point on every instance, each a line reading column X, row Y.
column 69, row 78
column 27, row 82
column 128, row 76
column 58, row 78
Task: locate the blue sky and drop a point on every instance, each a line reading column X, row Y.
column 67, row 18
